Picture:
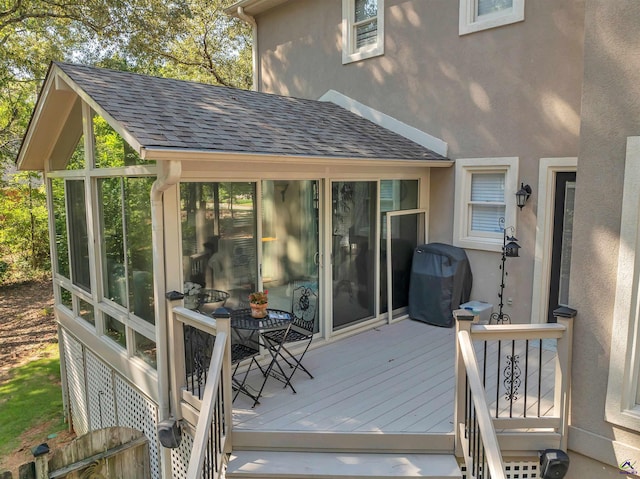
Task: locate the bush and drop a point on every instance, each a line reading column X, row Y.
column 4, row 269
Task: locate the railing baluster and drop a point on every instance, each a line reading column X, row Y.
column 484, row 366
column 513, row 378
column 526, row 375
column 539, row 375
column 498, row 377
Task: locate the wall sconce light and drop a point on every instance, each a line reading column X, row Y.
column 522, row 195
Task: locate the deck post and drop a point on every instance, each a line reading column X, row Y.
column 223, row 324
column 463, row 319
column 176, row 354
column 562, row 397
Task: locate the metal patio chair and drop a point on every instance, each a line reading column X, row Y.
column 304, row 305
column 240, row 352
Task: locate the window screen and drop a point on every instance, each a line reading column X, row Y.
column 486, row 7
column 487, row 201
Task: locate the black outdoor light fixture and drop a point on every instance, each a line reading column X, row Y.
column 510, row 249
column 522, row 195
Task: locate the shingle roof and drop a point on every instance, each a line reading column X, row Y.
column 167, row 113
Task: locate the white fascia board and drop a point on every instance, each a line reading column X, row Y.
column 386, row 121
column 163, row 153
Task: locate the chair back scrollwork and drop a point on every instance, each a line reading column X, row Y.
column 304, row 307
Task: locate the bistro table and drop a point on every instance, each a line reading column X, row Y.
column 241, row 320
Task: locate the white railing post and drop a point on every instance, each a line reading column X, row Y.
column 177, row 371
column 463, row 319
column 223, row 324
column 562, row 395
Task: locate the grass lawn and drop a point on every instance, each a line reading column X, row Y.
column 31, row 397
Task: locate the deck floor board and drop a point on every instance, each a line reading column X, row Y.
column 392, row 379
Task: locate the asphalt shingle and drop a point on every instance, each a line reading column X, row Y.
column 167, row 113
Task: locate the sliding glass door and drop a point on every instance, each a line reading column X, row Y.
column 354, row 205
column 290, row 244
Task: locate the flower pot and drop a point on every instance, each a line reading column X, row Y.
column 258, row 310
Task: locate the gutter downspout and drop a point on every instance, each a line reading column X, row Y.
column 254, row 49
column 169, row 173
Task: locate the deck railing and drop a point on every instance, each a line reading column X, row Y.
column 477, row 436
column 524, row 375
column 202, row 387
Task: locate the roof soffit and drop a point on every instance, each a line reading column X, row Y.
column 53, row 107
column 57, row 99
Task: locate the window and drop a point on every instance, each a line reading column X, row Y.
column 125, row 232
column 111, row 151
column 484, row 202
column 60, row 228
column 219, row 230
column 477, row 15
column 623, row 391
column 79, row 244
column 362, row 29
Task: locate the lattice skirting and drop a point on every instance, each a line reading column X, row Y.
column 515, row 469
column 99, row 397
column 180, row 456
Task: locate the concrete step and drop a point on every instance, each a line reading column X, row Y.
column 326, row 465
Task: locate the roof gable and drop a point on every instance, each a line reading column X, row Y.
column 164, row 114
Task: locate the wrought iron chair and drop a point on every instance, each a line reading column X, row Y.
column 304, row 305
column 240, row 352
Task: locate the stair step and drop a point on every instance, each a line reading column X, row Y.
column 325, row 465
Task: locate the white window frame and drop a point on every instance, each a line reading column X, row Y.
column 350, row 52
column 622, row 406
column 471, row 22
column 465, row 168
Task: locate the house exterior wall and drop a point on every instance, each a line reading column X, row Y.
column 610, row 114
column 512, row 91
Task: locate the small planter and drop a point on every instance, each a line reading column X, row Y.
column 258, row 310
column 191, row 301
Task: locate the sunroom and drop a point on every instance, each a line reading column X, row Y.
column 158, row 186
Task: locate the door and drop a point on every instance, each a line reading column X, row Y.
column 290, row 239
column 353, row 250
column 561, row 247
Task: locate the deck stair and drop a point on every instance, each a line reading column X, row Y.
column 253, row 464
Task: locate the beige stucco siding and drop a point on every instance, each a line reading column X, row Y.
column 610, row 113
column 512, row 91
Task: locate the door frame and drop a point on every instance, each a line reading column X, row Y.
column 548, row 170
column 389, row 218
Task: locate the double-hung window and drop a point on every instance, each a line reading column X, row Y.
column 485, row 201
column 362, row 29
column 476, row 15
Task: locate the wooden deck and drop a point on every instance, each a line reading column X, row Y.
column 394, row 379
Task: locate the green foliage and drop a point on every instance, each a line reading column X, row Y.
column 31, row 396
column 186, row 39
column 24, row 225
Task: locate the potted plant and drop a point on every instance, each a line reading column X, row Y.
column 191, row 294
column 259, row 301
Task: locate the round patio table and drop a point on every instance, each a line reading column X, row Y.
column 276, row 319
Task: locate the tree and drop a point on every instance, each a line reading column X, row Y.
column 187, row 39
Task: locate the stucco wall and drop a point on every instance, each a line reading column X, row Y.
column 508, row 91
column 610, row 113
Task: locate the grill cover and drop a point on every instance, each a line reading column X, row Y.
column 441, row 280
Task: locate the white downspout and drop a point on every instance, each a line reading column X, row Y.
column 169, row 173
column 254, row 49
